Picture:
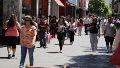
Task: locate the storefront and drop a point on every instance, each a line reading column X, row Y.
column 1, row 12
column 43, row 8
column 1, row 19
column 8, row 7
column 58, row 8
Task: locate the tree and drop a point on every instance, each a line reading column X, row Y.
column 99, row 8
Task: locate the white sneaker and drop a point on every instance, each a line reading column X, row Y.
column 21, row 66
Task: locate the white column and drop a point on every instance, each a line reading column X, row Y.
column 20, row 10
column 37, row 8
column 49, row 9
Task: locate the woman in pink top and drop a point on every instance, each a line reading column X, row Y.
column 27, row 41
column 12, row 35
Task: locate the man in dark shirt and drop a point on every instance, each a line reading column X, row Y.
column 93, row 29
column 43, row 30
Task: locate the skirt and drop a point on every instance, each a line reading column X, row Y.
column 11, row 40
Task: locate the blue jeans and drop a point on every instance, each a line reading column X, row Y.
column 23, row 55
column 42, row 37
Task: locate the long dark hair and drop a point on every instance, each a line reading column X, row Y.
column 12, row 21
column 63, row 21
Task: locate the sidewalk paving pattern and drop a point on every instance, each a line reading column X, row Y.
column 78, row 55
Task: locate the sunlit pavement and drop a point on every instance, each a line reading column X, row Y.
column 78, row 55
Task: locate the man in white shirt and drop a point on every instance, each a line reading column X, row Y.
column 87, row 21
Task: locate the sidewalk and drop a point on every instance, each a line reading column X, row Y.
column 78, row 55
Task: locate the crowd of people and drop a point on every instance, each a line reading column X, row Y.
column 25, row 33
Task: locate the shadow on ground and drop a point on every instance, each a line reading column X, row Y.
column 99, row 50
column 64, row 44
column 53, row 52
column 1, row 46
column 88, row 61
column 3, row 57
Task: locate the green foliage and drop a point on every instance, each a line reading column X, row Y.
column 99, row 8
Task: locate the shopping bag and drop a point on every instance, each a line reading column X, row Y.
column 115, row 58
column 49, row 37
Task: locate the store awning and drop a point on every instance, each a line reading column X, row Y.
column 59, row 3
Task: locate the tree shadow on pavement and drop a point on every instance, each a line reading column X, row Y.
column 88, row 61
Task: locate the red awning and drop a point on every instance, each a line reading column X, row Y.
column 59, row 3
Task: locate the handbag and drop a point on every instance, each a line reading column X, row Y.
column 115, row 58
column 48, row 38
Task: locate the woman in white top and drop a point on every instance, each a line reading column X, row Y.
column 61, row 32
column 72, row 28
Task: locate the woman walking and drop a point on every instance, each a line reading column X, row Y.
column 53, row 25
column 28, row 38
column 109, row 33
column 61, row 32
column 72, row 28
column 12, row 35
column 80, row 26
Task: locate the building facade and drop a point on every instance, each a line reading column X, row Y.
column 70, row 9
column 54, row 9
column 43, row 8
column 12, row 7
column 62, row 9
column 83, row 8
column 1, row 12
column 58, row 8
column 116, row 7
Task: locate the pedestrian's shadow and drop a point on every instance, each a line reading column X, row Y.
column 1, row 46
column 63, row 44
column 3, row 57
column 7, row 58
column 88, row 61
column 99, row 49
column 38, row 47
column 53, row 52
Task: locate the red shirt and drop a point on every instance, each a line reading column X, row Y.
column 80, row 23
column 43, row 27
column 12, row 31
